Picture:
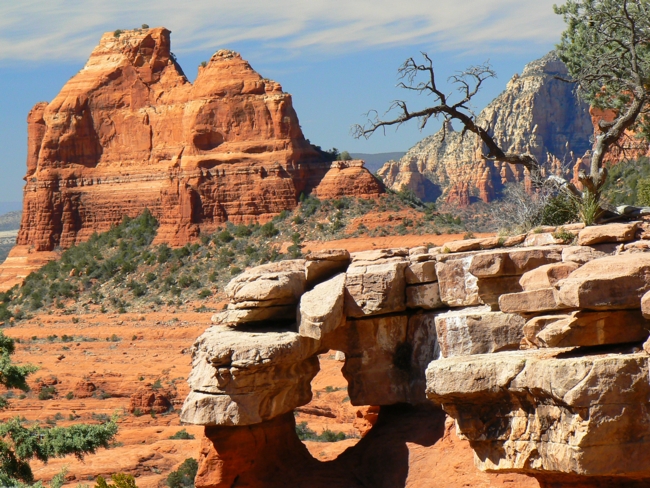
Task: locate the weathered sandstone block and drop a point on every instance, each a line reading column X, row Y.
column 490, row 289
column 322, row 265
column 458, row 287
column 532, row 301
column 587, row 329
column 543, row 414
column 607, row 233
column 425, row 296
column 645, row 305
column 283, row 288
column 614, row 282
column 242, row 378
column 581, row 254
column 236, row 316
column 546, row 276
column 321, row 310
column 375, row 289
column 379, row 255
column 421, row 272
column 386, row 357
column 477, row 331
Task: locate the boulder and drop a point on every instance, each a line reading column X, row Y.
column 607, row 233
column 542, row 239
column 462, row 246
column 614, row 282
column 510, row 262
column 477, row 331
column 533, row 301
column 375, row 289
column 550, row 414
column 546, row 276
column 421, row 272
column 587, row 329
column 425, row 296
column 458, row 287
column 321, row 310
column 84, row 389
column 243, row 377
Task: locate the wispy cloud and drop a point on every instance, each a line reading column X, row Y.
column 68, row 29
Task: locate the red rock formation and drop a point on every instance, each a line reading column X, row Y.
column 347, row 178
column 147, row 400
column 407, row 447
column 129, row 131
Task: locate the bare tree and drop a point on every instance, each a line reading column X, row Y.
column 467, row 84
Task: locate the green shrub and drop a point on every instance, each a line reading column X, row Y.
column 643, row 192
column 117, row 33
column 157, row 384
column 561, row 209
column 306, row 434
column 120, row 480
column 205, row 293
column 69, row 395
column 47, row 393
column 184, row 476
column 225, row 236
column 182, row 435
column 269, row 230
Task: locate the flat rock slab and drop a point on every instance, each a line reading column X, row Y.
column 543, row 412
column 477, row 331
column 426, row 296
column 511, row 262
column 241, row 377
column 607, row 233
column 613, row 282
column 379, row 254
column 237, row 316
column 587, row 329
column 375, row 289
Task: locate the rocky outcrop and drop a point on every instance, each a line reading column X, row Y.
column 130, row 132
column 536, row 114
column 538, row 357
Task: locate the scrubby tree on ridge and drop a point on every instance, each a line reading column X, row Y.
column 606, row 47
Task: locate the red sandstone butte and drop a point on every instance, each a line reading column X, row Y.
column 129, row 131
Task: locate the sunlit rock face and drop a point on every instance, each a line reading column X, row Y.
column 129, row 132
column 537, row 114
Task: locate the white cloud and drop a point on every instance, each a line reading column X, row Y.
column 69, row 29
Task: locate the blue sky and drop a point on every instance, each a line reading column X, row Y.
column 337, row 58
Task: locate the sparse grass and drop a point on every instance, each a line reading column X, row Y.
column 120, row 271
column 182, row 435
column 306, row 434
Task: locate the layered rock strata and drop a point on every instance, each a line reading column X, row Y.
column 130, row 132
column 536, row 114
column 536, row 352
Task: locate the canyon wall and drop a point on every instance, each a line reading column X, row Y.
column 129, row 132
column 537, row 114
column 532, row 344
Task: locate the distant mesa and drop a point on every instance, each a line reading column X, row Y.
column 130, row 131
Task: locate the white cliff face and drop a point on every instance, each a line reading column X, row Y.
column 537, row 114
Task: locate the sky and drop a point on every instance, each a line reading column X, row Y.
column 338, row 58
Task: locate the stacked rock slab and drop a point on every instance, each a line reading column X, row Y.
column 536, row 351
